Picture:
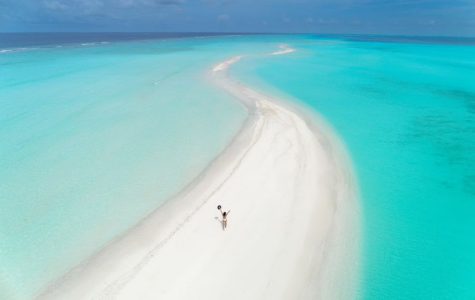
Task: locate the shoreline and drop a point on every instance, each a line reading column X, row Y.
column 293, row 221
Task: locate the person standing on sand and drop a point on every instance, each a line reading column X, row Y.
column 224, row 214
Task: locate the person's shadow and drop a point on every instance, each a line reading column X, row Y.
column 221, row 222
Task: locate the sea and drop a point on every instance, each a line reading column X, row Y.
column 97, row 130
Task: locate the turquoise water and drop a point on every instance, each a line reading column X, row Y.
column 407, row 114
column 93, row 137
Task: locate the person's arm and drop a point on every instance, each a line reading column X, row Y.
column 228, row 212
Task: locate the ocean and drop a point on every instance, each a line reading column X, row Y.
column 98, row 130
column 93, row 137
column 405, row 108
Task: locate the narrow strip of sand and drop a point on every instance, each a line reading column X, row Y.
column 292, row 230
column 284, row 49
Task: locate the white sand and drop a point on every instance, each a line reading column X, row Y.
column 292, row 232
column 283, row 49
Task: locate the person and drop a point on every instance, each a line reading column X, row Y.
column 224, row 215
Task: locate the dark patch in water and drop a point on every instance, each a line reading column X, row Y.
column 461, row 94
column 466, row 96
column 452, row 140
column 401, row 39
column 469, row 184
column 373, row 91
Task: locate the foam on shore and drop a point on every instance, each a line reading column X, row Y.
column 293, row 228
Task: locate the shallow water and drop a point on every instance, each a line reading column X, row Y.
column 406, row 111
column 93, row 138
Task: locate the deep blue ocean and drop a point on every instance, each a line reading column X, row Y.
column 97, row 130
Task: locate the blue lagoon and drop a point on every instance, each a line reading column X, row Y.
column 97, row 132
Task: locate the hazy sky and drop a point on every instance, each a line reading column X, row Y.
column 418, row 17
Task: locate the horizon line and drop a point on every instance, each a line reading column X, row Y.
column 248, row 33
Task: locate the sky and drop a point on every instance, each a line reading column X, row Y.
column 407, row 17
